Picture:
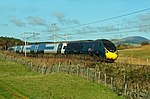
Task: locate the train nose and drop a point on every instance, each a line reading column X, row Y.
column 111, row 55
column 114, row 56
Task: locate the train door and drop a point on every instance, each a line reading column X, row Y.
column 59, row 48
column 101, row 50
column 41, row 48
column 36, row 49
column 88, row 47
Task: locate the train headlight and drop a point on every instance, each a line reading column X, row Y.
column 106, row 51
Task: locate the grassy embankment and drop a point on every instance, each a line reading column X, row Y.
column 17, row 82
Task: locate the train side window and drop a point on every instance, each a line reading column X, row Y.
column 49, row 47
column 28, row 48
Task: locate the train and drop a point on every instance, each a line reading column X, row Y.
column 104, row 49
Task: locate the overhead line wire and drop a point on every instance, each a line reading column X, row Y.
column 91, row 32
column 107, row 19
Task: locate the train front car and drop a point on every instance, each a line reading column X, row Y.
column 110, row 50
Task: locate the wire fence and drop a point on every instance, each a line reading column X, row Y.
column 118, row 83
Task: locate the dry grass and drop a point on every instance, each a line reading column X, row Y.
column 140, row 55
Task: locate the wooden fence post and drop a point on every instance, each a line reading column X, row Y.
column 111, row 82
column 44, row 68
column 51, row 69
column 124, row 79
column 131, row 96
column 70, row 63
column 93, row 77
column 68, row 70
column 125, row 89
column 37, row 68
column 83, row 71
column 105, row 78
column 87, row 73
column 147, row 61
column 96, row 77
column 99, row 76
column 147, row 95
column 31, row 65
column 138, row 91
column 78, row 70
column 59, row 66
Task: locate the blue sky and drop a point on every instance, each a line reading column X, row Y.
column 49, row 17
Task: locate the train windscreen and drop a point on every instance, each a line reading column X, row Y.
column 109, row 45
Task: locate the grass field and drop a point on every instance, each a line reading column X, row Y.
column 17, row 82
column 142, row 52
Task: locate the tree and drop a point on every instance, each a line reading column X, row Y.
column 6, row 42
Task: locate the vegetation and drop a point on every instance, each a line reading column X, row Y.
column 145, row 43
column 123, row 46
column 67, row 86
column 22, row 83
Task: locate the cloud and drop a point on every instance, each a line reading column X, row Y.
column 96, row 29
column 144, row 17
column 107, row 28
column 31, row 9
column 52, row 28
column 64, row 21
column 144, row 27
column 36, row 21
column 70, row 22
column 144, row 22
column 17, row 22
column 59, row 15
column 3, row 25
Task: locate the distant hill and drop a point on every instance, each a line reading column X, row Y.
column 133, row 40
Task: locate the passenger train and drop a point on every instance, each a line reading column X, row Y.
column 102, row 48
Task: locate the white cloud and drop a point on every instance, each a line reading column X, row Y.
column 36, row 21
column 18, row 22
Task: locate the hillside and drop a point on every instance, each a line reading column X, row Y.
column 16, row 82
column 135, row 40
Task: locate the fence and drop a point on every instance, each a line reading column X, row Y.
column 118, row 84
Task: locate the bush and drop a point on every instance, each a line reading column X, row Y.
column 123, row 46
column 145, row 43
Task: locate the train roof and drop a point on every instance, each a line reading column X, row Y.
column 71, row 41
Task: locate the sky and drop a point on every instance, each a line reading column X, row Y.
column 60, row 20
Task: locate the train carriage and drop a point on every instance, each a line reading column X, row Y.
column 102, row 48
